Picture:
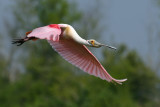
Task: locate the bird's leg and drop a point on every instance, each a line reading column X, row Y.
column 21, row 41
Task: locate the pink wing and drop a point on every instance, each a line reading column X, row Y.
column 82, row 58
column 50, row 32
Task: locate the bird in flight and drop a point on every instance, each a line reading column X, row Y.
column 64, row 39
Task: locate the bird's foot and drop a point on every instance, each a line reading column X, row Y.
column 19, row 42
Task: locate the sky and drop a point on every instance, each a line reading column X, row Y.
column 128, row 21
column 131, row 22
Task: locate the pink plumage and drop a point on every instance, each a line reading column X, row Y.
column 50, row 32
column 64, row 39
column 82, row 58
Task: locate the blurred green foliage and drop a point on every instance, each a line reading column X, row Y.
column 49, row 81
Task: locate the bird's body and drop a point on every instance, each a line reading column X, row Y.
column 65, row 40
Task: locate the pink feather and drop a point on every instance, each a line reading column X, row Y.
column 50, row 32
column 82, row 58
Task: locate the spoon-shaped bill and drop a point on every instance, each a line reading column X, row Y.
column 109, row 46
column 99, row 45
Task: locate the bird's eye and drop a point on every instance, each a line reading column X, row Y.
column 92, row 41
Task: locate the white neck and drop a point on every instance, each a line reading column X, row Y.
column 73, row 34
column 81, row 41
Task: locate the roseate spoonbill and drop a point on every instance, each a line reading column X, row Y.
column 65, row 40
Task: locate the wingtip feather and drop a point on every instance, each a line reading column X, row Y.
column 119, row 81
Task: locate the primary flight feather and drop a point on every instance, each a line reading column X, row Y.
column 65, row 40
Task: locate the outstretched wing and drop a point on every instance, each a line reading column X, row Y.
column 50, row 32
column 82, row 58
